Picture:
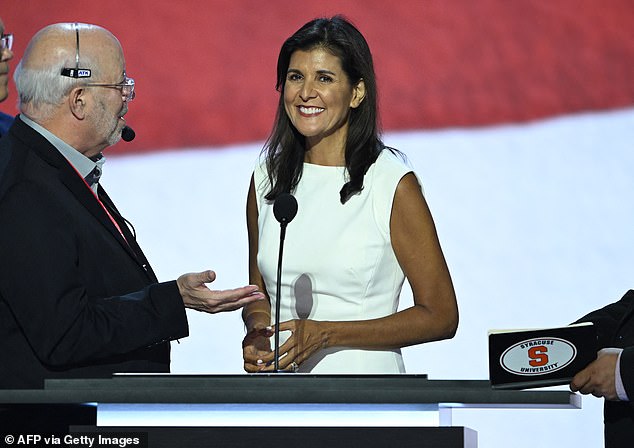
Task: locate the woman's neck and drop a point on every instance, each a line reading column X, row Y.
column 328, row 152
column 325, row 158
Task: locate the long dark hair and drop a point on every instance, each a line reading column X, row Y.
column 285, row 146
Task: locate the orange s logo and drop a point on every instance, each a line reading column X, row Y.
column 538, row 356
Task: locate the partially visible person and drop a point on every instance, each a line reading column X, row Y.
column 78, row 297
column 611, row 375
column 6, row 43
column 362, row 227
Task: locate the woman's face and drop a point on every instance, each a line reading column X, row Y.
column 318, row 96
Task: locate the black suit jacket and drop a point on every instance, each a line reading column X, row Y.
column 76, row 298
column 615, row 328
column 5, row 123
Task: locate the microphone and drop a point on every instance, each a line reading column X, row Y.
column 284, row 209
column 127, row 134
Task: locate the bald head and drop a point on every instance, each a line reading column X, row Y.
column 56, row 45
column 72, row 107
column 39, row 82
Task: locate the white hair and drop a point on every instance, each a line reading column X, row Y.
column 43, row 89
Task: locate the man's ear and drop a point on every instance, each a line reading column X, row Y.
column 358, row 94
column 77, row 102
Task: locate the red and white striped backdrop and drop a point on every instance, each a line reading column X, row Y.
column 205, row 69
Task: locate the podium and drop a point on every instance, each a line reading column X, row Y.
column 278, row 409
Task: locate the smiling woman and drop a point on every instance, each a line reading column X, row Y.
column 362, row 226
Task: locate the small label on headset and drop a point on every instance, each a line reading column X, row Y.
column 77, row 72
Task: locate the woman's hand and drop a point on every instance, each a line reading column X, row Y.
column 255, row 346
column 307, row 336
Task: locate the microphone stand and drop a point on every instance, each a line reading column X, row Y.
column 283, row 224
column 284, row 209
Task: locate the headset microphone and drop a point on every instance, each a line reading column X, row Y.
column 127, row 134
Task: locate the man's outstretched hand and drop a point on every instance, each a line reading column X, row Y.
column 197, row 296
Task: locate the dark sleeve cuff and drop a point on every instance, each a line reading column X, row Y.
column 606, row 320
column 169, row 307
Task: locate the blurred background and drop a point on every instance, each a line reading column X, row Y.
column 518, row 117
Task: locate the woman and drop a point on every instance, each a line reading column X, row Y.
column 361, row 228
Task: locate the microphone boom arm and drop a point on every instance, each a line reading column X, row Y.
column 277, row 296
column 284, row 209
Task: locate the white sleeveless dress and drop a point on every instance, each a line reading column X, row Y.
column 338, row 262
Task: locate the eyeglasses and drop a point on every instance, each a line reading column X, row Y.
column 6, row 42
column 126, row 87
